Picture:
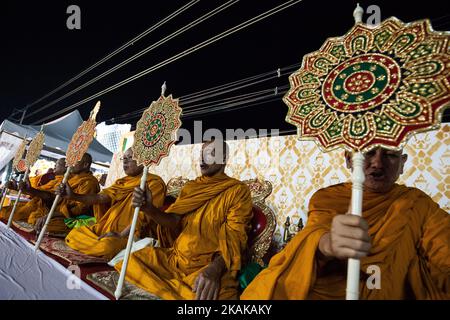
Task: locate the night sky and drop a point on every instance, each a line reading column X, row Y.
column 38, row 52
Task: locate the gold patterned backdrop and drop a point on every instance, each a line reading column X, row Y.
column 297, row 168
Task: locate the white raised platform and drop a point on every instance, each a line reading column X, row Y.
column 29, row 275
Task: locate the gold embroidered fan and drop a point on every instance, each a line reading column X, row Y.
column 34, row 150
column 82, row 138
column 78, row 146
column 373, row 87
column 19, row 156
column 156, row 132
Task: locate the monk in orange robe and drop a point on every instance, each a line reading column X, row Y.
column 82, row 181
column 34, row 181
column 41, row 193
column 113, row 212
column 402, row 241
column 211, row 218
column 42, row 179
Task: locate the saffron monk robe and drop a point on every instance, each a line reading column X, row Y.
column 41, row 194
column 42, row 179
column 209, row 221
column 82, row 181
column 402, row 239
column 113, row 212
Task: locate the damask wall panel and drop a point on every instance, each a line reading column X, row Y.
column 297, row 169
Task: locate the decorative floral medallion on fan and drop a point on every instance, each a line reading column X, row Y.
column 375, row 86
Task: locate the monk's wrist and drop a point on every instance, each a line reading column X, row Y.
column 125, row 232
column 122, row 235
column 215, row 270
column 325, row 252
column 148, row 208
column 218, row 264
column 74, row 197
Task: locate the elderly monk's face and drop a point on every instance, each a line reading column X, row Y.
column 60, row 167
column 382, row 168
column 129, row 165
column 212, row 160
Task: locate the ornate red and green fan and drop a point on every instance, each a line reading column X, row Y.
column 19, row 161
column 82, row 139
column 373, row 87
column 34, row 150
column 155, row 134
column 21, row 166
column 78, row 146
column 156, row 131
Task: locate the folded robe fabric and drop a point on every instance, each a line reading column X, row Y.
column 410, row 238
column 217, row 213
column 114, row 217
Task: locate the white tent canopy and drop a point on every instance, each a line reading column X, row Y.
column 58, row 134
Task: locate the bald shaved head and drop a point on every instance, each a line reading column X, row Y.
column 60, row 167
column 84, row 165
column 129, row 165
column 214, row 157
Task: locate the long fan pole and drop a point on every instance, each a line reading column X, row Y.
column 52, row 210
column 25, row 177
column 5, row 192
column 353, row 271
column 123, row 271
column 4, row 195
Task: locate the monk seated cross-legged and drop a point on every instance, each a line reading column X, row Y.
column 113, row 212
column 41, row 192
column 209, row 222
column 82, row 181
column 402, row 240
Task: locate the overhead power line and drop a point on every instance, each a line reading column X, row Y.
column 138, row 55
column 117, row 51
column 175, row 57
column 186, row 101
